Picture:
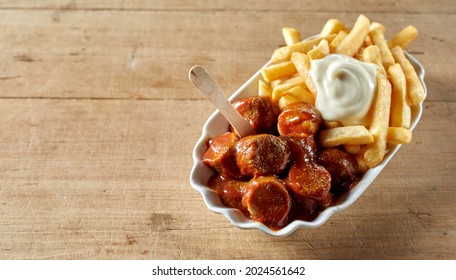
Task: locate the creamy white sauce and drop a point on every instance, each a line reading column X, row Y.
column 345, row 88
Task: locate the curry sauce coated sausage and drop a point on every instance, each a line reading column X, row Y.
column 261, row 154
column 342, row 167
column 299, row 118
column 310, row 183
column 303, row 148
column 220, row 155
column 230, row 191
column 258, row 112
column 267, row 201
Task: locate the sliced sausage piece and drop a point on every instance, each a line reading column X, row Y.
column 261, row 154
column 230, row 191
column 310, row 183
column 220, row 155
column 258, row 111
column 342, row 167
column 299, row 118
column 302, row 147
column 267, row 201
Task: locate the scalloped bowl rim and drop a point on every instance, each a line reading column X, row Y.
column 217, row 124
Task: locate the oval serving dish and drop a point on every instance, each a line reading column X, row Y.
column 217, row 124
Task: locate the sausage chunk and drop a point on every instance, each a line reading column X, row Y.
column 310, row 183
column 230, row 191
column 261, row 154
column 267, row 201
column 220, row 155
column 302, row 147
column 299, row 118
column 258, row 111
column 342, row 167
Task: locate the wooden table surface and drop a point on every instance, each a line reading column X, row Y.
column 98, row 122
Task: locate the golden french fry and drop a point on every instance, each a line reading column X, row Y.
column 337, row 40
column 302, row 94
column 404, row 37
column 379, row 40
column 331, row 124
column 399, row 135
column 345, row 135
column 284, row 53
column 277, row 71
column 359, row 54
column 319, row 51
column 400, row 115
column 415, row 90
column 367, row 41
column 379, row 126
column 362, row 166
column 286, row 100
column 376, row 25
column 302, row 64
column 355, row 39
column 352, row 149
column 278, row 91
column 264, row 90
column 277, row 82
column 284, row 80
column 372, row 54
column 332, row 26
column 291, row 36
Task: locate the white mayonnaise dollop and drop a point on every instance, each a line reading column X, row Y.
column 345, row 88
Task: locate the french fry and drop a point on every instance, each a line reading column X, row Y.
column 291, row 36
column 376, row 25
column 362, row 166
column 404, row 37
column 400, row 115
column 415, row 90
column 399, row 135
column 352, row 149
column 372, row 54
column 367, row 41
column 379, row 39
column 359, row 54
column 293, row 79
column 284, row 53
column 379, row 126
column 302, row 64
column 277, row 71
column 275, row 83
column 278, row 91
column 264, row 90
column 337, row 40
column 286, row 100
column 302, row 94
column 331, row 124
column 319, row 51
column 283, row 80
column 332, row 26
column 345, row 135
column 355, row 39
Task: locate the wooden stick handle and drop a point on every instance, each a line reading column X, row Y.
column 209, row 88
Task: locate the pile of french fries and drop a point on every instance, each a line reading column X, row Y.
column 287, row 80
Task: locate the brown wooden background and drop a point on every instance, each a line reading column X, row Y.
column 98, row 121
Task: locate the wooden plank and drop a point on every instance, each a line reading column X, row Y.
column 147, row 54
column 342, row 6
column 108, row 179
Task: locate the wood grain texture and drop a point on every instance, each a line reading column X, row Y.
column 138, row 54
column 99, row 120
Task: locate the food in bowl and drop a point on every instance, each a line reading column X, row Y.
column 302, row 162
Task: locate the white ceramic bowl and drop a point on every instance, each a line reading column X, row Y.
column 217, row 124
